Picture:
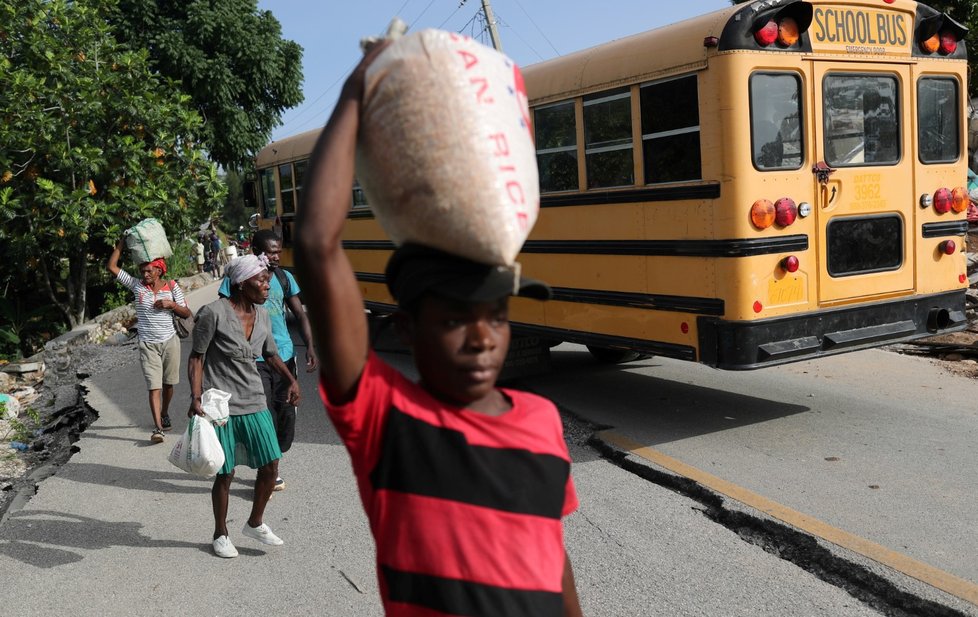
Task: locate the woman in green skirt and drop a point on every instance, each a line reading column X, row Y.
column 228, row 336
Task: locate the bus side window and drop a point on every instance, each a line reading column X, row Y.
column 359, row 196
column 671, row 130
column 608, row 139
column 556, row 138
column 267, row 180
column 775, row 120
column 286, row 182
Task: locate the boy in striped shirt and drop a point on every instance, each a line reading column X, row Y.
column 464, row 484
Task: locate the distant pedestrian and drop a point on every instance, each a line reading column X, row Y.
column 283, row 292
column 199, row 251
column 159, row 347
column 215, row 255
column 230, row 333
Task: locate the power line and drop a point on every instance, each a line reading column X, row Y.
column 538, row 29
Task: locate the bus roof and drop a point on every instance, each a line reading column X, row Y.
column 287, row 149
column 681, row 47
column 640, row 56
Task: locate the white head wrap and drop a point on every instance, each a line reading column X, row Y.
column 244, row 267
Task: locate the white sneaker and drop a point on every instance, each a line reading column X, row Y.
column 262, row 533
column 223, row 548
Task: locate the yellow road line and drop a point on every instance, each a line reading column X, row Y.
column 958, row 587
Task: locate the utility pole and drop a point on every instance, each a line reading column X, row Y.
column 491, row 20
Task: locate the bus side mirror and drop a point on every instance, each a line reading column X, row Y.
column 250, row 195
column 253, row 221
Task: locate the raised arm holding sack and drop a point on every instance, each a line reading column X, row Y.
column 158, row 302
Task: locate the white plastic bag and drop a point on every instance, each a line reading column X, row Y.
column 444, row 153
column 147, row 241
column 198, row 451
column 215, row 405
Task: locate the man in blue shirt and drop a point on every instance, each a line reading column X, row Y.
column 283, row 292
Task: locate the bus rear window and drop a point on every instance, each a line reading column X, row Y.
column 608, row 139
column 555, row 135
column 775, row 121
column 862, row 125
column 937, row 120
column 858, row 245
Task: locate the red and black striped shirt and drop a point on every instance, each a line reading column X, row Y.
column 465, row 508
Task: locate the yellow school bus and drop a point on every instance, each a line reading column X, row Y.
column 775, row 181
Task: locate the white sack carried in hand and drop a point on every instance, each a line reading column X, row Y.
column 445, row 154
column 198, row 451
column 147, row 241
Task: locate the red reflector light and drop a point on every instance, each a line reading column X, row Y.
column 948, row 43
column 785, row 211
column 960, row 199
column 758, row 307
column 684, row 327
column 790, row 264
column 787, row 32
column 948, row 247
column 962, row 278
column 942, row 201
column 767, row 34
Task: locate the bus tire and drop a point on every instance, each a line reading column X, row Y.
column 607, row 355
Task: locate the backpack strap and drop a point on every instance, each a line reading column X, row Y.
column 283, row 280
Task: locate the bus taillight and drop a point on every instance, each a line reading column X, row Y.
column 947, row 247
column 930, row 45
column 949, row 43
column 787, row 32
column 762, row 214
column 785, row 211
column 959, row 199
column 766, row 34
column 790, row 264
column 942, row 201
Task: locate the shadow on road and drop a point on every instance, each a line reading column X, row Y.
column 43, row 535
column 669, row 410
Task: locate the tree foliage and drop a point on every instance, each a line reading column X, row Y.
column 229, row 57
column 91, row 142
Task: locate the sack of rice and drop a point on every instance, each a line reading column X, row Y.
column 147, row 241
column 445, row 154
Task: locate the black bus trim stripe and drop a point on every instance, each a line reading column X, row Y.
column 419, row 458
column 653, row 302
column 945, row 228
column 460, row 597
column 656, row 348
column 631, row 196
column 739, row 247
column 602, row 198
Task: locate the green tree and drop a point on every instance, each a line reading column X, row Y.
column 229, row 57
column 91, row 142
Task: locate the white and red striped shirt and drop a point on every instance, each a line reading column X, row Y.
column 154, row 325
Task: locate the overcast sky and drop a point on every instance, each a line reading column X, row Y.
column 530, row 31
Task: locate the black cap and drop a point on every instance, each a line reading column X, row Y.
column 415, row 269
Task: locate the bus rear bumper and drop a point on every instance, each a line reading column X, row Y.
column 743, row 345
